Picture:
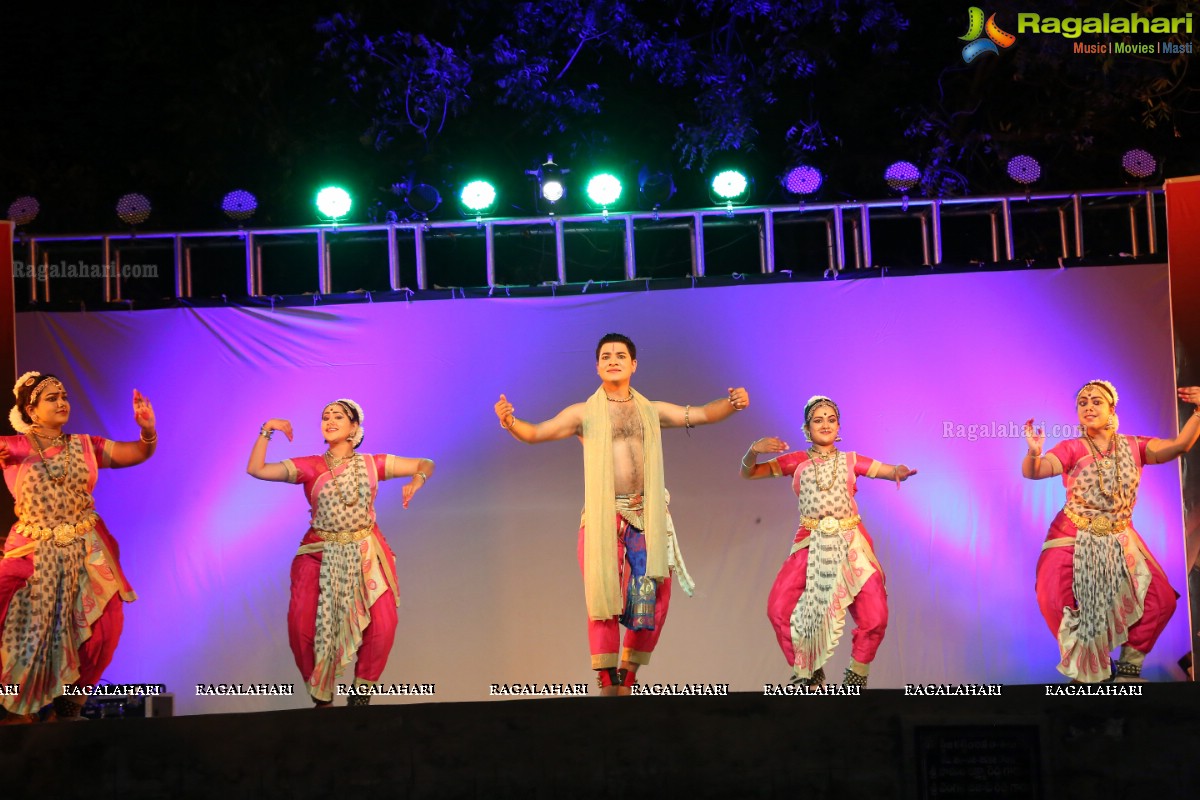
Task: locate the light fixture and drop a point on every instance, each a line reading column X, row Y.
column 730, row 187
column 655, row 187
column 902, row 176
column 333, row 204
column 422, row 199
column 23, row 210
column 553, row 191
column 1139, row 164
column 239, row 205
column 802, row 180
column 603, row 191
column 133, row 208
column 478, row 197
column 1024, row 170
column 551, row 188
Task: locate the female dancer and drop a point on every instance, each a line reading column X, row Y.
column 1097, row 584
column 832, row 567
column 61, row 584
column 344, row 591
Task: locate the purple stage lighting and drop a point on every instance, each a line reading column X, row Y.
column 24, row 210
column 239, row 205
column 902, row 176
column 1139, row 164
column 1024, row 169
column 133, row 208
column 802, row 180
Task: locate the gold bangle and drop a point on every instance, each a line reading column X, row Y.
column 509, row 426
column 264, row 433
column 424, row 477
column 151, row 440
column 687, row 415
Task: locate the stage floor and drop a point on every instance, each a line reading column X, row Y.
column 1023, row 743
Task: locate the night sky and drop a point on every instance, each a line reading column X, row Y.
column 184, row 103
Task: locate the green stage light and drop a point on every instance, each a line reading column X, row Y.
column 478, row 197
column 604, row 189
column 333, row 203
column 730, row 186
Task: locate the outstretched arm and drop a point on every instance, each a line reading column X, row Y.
column 673, row 416
column 258, row 454
column 419, row 468
column 751, row 470
column 1034, row 466
column 568, row 422
column 1159, row 451
column 894, row 472
column 128, row 454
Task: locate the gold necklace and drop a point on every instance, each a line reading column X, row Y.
column 332, row 462
column 615, row 400
column 1103, row 457
column 819, row 461
column 1103, row 465
column 57, row 441
column 54, row 441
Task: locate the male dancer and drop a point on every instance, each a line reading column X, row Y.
column 627, row 545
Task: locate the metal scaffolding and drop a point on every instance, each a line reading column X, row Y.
column 848, row 240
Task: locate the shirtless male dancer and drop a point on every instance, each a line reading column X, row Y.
column 627, row 544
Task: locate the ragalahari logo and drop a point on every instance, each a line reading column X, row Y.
column 976, row 28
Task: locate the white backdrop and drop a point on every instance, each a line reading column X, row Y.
column 486, row 553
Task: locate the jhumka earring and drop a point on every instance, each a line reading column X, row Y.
column 1109, row 426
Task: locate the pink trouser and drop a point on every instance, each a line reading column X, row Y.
column 377, row 639
column 1055, row 573
column 14, row 572
column 869, row 609
column 604, row 635
column 97, row 652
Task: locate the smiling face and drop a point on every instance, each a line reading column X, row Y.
column 615, row 365
column 823, row 426
column 1094, row 409
column 52, row 409
column 336, row 425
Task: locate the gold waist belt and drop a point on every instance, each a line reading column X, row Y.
column 61, row 535
column 343, row 537
column 829, row 524
column 1097, row 526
